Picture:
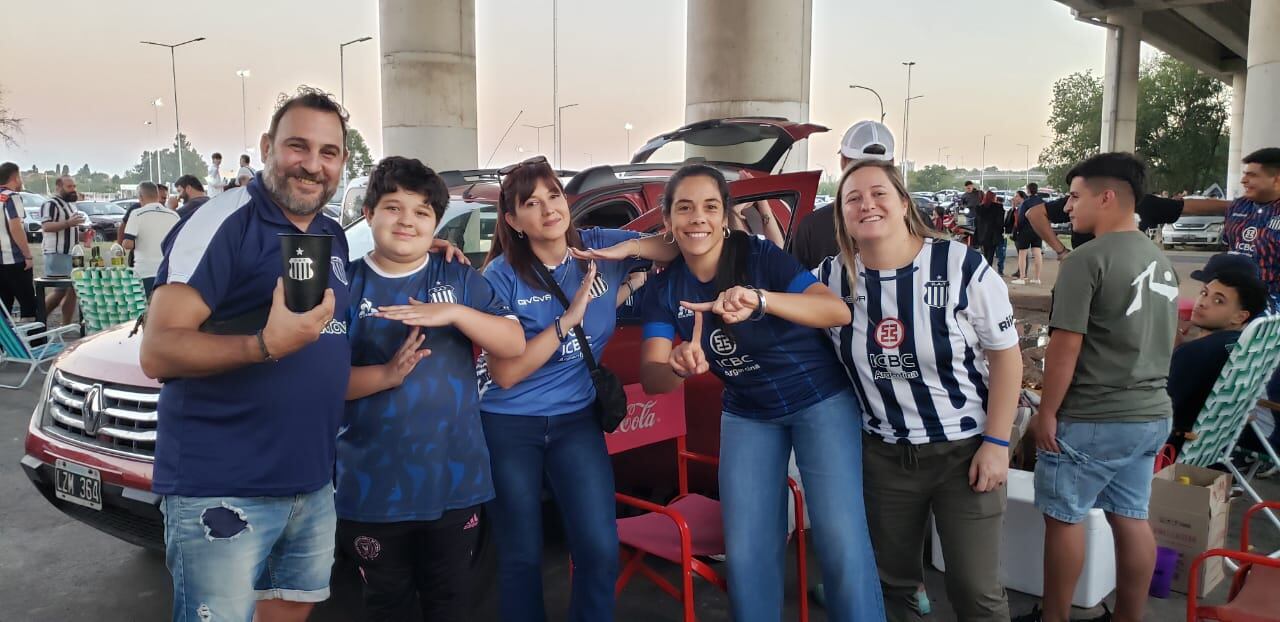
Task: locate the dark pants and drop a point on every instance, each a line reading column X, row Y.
column 424, row 565
column 1001, row 250
column 902, row 484
column 148, row 285
column 568, row 453
column 16, row 284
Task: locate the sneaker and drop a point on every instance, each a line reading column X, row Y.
column 1034, row 281
column 1033, row 616
column 1019, row 281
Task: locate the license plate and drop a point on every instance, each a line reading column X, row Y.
column 78, row 484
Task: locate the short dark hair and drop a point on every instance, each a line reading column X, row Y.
column 410, row 175
column 7, row 171
column 968, row 182
column 189, row 181
column 216, row 155
column 1118, row 166
column 162, row 186
column 1033, row 187
column 308, row 97
column 1251, row 290
column 1268, row 157
column 245, row 159
column 1021, row 194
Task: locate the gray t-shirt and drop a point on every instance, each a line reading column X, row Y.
column 1121, row 293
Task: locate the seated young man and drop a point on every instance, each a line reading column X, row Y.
column 1232, row 295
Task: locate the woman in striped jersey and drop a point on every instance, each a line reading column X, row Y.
column 934, row 357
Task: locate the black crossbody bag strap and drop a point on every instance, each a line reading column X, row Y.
column 554, row 288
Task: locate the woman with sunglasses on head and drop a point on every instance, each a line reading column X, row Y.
column 747, row 311
column 934, row 355
column 538, row 409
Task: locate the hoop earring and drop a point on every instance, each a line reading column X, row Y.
column 671, row 235
column 726, row 232
column 519, row 234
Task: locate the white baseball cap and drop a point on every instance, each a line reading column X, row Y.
column 867, row 140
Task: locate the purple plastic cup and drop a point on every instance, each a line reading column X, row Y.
column 1162, row 578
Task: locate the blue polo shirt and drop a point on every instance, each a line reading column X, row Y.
column 416, row 451
column 771, row 367
column 265, row 429
column 563, row 384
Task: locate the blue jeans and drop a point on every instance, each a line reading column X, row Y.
column 827, row 438
column 568, row 452
column 225, row 553
column 1000, row 252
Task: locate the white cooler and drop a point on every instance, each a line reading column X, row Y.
column 1022, row 547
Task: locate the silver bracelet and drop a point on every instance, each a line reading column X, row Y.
column 762, row 308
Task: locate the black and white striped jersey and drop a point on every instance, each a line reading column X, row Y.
column 914, row 349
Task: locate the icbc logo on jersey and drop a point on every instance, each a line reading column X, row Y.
column 1249, row 234
column 890, row 333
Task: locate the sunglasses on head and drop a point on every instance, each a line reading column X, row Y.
column 511, row 168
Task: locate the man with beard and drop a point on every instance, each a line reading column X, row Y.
column 192, row 194
column 60, row 221
column 253, row 392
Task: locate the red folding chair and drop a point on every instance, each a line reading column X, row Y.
column 689, row 527
column 1255, row 589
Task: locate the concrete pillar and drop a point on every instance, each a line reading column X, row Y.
column 429, row 81
column 1262, row 99
column 1238, row 83
column 749, row 58
column 1120, row 81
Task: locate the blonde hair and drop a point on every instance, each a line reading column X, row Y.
column 916, row 226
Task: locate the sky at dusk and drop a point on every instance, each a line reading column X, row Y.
column 75, row 72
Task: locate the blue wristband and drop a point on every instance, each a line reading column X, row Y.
column 995, row 441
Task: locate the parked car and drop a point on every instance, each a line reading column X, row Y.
column 90, row 441
column 104, row 218
column 1205, row 231
column 31, row 203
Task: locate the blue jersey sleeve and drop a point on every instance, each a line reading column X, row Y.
column 10, row 210
column 481, row 296
column 655, row 311
column 209, row 269
column 598, row 237
column 781, row 271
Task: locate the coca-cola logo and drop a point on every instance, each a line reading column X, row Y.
column 640, row 416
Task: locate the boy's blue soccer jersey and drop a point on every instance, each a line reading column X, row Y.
column 771, row 367
column 415, row 451
column 563, row 384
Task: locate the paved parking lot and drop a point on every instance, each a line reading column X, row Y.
column 53, row 568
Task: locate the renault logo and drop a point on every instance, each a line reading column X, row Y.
column 92, row 410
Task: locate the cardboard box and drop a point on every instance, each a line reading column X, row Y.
column 1191, row 519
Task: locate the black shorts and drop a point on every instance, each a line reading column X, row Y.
column 1025, row 239
column 423, row 565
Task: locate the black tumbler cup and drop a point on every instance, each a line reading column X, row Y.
column 305, row 259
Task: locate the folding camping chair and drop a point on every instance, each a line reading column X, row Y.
column 1225, row 415
column 1255, row 588
column 18, row 344
column 689, row 527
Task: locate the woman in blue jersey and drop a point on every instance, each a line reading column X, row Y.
column 748, row 312
column 538, row 409
column 934, row 355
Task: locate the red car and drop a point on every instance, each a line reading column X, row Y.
column 90, row 443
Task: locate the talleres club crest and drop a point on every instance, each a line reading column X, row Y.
column 301, row 268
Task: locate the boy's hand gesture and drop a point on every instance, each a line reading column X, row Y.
column 406, row 358
column 416, row 313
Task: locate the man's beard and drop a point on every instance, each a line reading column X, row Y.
column 70, row 197
column 277, row 183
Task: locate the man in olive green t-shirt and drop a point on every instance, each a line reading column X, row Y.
column 1104, row 412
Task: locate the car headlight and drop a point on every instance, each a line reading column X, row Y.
column 1215, row 228
column 42, row 404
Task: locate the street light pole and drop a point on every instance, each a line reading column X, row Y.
column 628, row 127
column 151, row 162
column 940, row 150
column 538, row 129
column 982, row 174
column 873, row 92
column 906, row 119
column 156, row 104
column 560, row 134
column 342, row 70
column 1026, row 150
column 244, row 115
column 173, row 67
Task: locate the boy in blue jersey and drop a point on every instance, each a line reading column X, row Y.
column 412, row 465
